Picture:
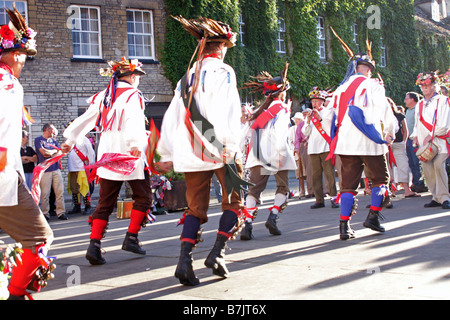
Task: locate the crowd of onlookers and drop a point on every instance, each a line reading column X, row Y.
column 52, row 201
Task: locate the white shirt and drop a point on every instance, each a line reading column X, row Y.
column 442, row 121
column 217, row 99
column 127, row 131
column 74, row 162
column 274, row 152
column 371, row 99
column 11, row 111
column 291, row 140
column 317, row 143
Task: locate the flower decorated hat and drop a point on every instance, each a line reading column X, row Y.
column 122, row 68
column 16, row 35
column 268, row 85
column 316, row 93
column 427, row 78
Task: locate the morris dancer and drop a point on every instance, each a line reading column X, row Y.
column 432, row 125
column 118, row 111
column 20, row 215
column 82, row 155
column 200, row 136
column 361, row 106
column 269, row 152
column 317, row 127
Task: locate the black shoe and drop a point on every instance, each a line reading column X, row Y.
column 184, row 271
column 345, row 230
column 318, row 205
column 373, row 222
column 12, row 297
column 420, row 188
column 76, row 209
column 446, row 204
column 94, row 254
column 63, row 217
column 131, row 244
column 334, row 205
column 246, row 233
column 432, row 204
column 216, row 258
column 271, row 224
column 88, row 210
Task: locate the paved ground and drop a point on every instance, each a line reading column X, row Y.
column 411, row 260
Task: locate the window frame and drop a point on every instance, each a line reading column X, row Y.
column 383, row 56
column 3, row 12
column 281, row 41
column 151, row 35
column 322, row 38
column 241, row 30
column 78, row 22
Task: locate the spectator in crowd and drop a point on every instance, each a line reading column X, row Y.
column 299, row 174
column 29, row 158
column 46, row 146
column 418, row 184
column 399, row 152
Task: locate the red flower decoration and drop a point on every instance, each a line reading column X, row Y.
column 6, row 33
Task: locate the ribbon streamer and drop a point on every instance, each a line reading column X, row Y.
column 38, row 172
column 116, row 162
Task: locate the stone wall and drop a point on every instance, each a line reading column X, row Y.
column 56, row 85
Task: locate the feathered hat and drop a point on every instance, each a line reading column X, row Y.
column 16, row 35
column 208, row 29
column 268, row 85
column 122, row 68
column 360, row 58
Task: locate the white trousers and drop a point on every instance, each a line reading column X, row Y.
column 436, row 177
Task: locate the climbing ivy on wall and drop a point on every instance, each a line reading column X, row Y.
column 408, row 50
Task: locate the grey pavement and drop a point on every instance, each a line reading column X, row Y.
column 410, row 261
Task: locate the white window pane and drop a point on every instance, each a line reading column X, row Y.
column 94, row 25
column 84, row 13
column 139, row 27
column 76, row 49
column 147, row 28
column 93, row 38
column 130, row 27
column 146, row 17
column 85, row 50
column 95, row 50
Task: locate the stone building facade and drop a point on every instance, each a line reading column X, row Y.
column 75, row 39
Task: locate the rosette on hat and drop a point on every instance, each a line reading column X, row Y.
column 268, row 85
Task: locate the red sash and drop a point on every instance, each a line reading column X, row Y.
column 81, row 156
column 319, row 128
column 344, row 101
column 84, row 159
column 266, row 116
